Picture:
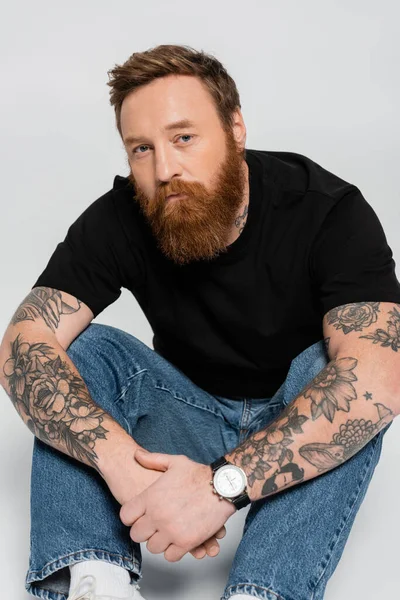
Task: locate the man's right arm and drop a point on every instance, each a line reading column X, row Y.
column 48, row 392
column 53, row 401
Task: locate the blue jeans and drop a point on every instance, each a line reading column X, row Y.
column 291, row 542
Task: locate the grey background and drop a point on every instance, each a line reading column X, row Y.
column 319, row 78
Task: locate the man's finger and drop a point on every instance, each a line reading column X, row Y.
column 174, row 553
column 212, row 547
column 157, row 543
column 199, row 552
column 153, row 460
column 142, row 530
column 132, row 510
column 221, row 533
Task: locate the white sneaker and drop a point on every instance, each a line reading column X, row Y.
column 90, row 594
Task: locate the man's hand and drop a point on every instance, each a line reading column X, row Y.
column 127, row 479
column 179, row 511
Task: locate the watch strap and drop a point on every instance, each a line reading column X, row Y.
column 219, row 462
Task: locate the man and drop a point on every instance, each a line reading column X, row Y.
column 272, row 295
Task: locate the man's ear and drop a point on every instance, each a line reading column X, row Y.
column 239, row 128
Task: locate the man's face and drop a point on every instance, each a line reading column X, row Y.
column 197, row 159
column 283, row 479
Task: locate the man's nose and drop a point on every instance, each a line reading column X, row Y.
column 166, row 165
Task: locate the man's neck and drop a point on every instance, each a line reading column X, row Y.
column 241, row 216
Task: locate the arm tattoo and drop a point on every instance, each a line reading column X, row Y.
column 389, row 337
column 53, row 401
column 329, row 391
column 350, row 438
column 353, row 317
column 266, row 450
column 46, row 303
column 332, row 388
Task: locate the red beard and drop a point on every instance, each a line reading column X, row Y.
column 197, row 226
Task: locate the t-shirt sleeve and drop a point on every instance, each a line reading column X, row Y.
column 86, row 264
column 351, row 260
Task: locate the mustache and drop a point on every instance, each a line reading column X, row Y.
column 191, row 188
column 176, row 186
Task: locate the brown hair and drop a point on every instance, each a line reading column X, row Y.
column 168, row 59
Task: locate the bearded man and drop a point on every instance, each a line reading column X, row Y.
column 272, row 295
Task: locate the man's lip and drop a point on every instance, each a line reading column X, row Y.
column 174, row 195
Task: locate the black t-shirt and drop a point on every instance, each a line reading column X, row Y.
column 234, row 323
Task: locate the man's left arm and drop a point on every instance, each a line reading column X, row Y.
column 334, row 416
column 339, row 411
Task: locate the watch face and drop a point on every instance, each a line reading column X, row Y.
column 230, row 481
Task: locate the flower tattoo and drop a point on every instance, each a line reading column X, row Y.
column 332, row 388
column 391, row 337
column 53, row 400
column 354, row 317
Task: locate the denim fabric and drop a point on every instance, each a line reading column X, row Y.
column 291, row 542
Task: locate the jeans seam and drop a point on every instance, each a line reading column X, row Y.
column 32, row 583
column 253, row 585
column 122, row 395
column 133, row 560
column 345, row 520
column 129, row 379
column 245, row 420
column 162, row 387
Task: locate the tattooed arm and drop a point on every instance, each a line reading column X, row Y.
column 355, row 396
column 48, row 392
column 46, row 306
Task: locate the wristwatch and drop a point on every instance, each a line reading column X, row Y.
column 229, row 482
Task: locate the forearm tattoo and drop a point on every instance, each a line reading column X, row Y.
column 350, row 438
column 332, row 389
column 46, row 303
column 266, row 456
column 53, row 401
column 268, row 450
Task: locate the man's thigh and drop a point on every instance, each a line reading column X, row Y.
column 155, row 402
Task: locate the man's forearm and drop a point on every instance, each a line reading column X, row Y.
column 333, row 417
column 52, row 399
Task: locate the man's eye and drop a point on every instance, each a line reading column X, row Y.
column 186, row 135
column 137, row 148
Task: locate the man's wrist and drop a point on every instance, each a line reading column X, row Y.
column 227, row 507
column 118, row 453
column 241, row 499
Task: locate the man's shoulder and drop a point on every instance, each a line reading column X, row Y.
column 300, row 175
column 123, row 184
column 107, row 206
